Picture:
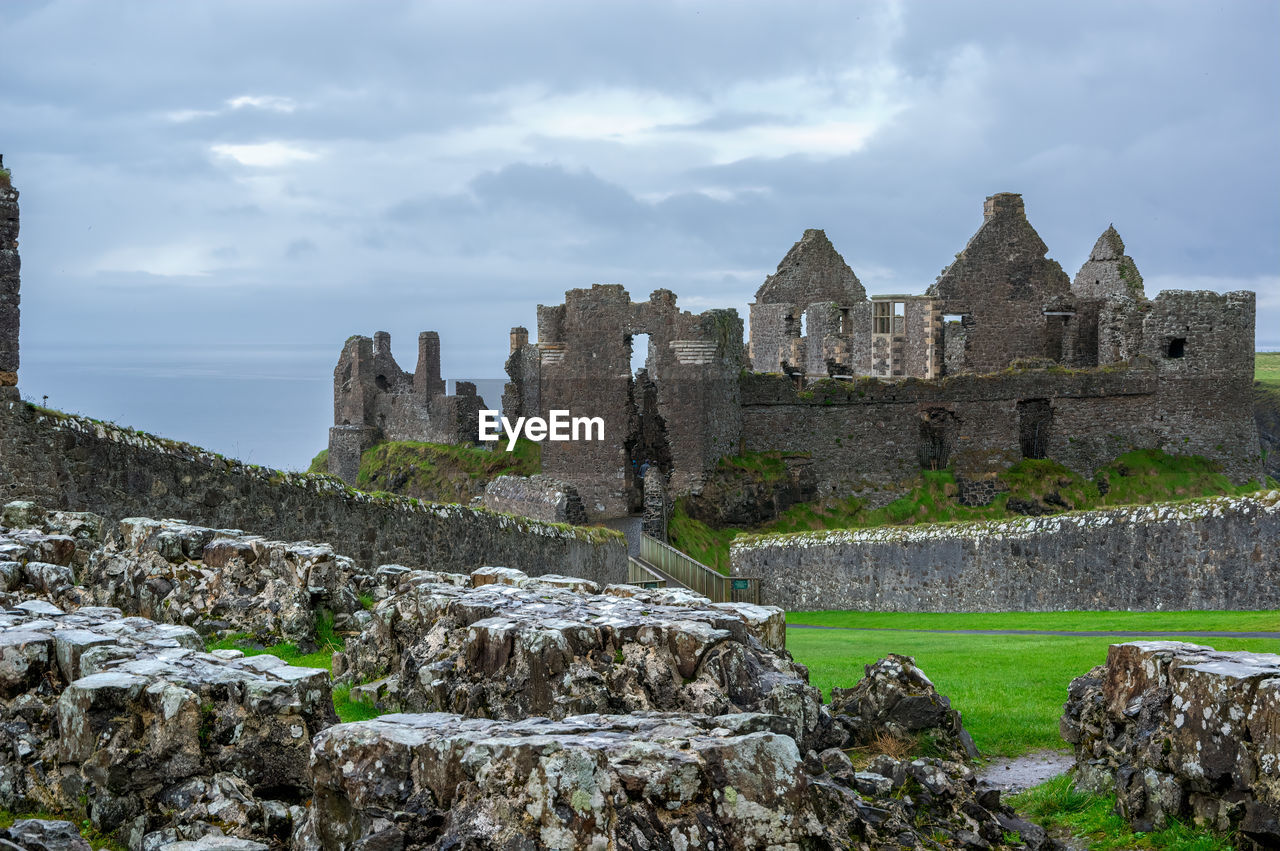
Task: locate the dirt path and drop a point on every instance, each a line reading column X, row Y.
column 1021, row 773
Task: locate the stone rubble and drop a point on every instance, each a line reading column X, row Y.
column 218, row 581
column 560, row 714
column 1182, row 730
column 499, row 644
column 130, row 724
column 593, row 781
column 896, row 698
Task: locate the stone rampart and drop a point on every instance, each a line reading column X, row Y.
column 1211, row 554
column 63, row 461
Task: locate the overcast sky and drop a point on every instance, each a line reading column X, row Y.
column 215, row 195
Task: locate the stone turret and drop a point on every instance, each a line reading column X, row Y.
column 10, row 265
column 1109, row 272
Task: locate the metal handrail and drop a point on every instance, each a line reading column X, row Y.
column 638, row 573
column 696, row 576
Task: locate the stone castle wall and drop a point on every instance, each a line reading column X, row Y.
column 10, row 265
column 70, row 462
column 1212, row 554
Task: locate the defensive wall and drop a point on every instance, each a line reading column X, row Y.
column 1218, row 553
column 69, row 462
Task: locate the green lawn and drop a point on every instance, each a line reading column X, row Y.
column 1010, row 689
column 1263, row 621
column 1266, row 368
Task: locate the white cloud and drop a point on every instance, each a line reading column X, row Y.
column 266, row 154
column 271, row 103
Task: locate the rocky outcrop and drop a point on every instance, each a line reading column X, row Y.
column 129, row 724
column 218, row 581
column 1181, row 730
column 499, row 644
column 895, row 698
column 647, row 781
column 224, row 581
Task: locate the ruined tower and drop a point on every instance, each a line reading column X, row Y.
column 1002, row 286
column 374, row 400
column 10, row 265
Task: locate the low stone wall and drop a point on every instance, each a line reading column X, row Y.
column 538, row 497
column 1182, row 731
column 1210, row 554
column 63, row 461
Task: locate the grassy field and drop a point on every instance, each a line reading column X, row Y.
column 1010, row 689
column 1264, row 621
column 1266, row 368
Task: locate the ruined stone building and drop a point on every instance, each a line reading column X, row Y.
column 10, row 265
column 1004, row 357
column 375, row 400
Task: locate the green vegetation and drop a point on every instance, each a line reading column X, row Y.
column 438, row 472
column 95, row 838
column 1139, row 477
column 330, row 642
column 5, row 178
column 1213, row 621
column 1062, row 808
column 320, row 463
column 1010, row 688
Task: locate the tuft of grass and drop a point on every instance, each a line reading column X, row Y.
column 1060, row 807
column 352, row 710
column 1009, row 688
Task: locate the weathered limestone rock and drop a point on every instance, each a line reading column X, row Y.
column 129, row 724
column 219, row 580
column 42, row 835
column 895, row 697
column 521, row 647
column 653, row 780
column 1181, row 730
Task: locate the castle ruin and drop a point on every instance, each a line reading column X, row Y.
column 375, row 400
column 1004, row 357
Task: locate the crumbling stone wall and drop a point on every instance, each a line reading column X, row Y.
column 1003, row 281
column 812, row 272
column 1209, row 554
column 1179, row 730
column 520, row 396
column 539, row 497
column 10, row 265
column 62, row 461
column 694, row 362
column 374, row 400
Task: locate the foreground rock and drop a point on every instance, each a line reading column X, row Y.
column 1181, row 730
column 896, row 699
column 218, row 581
column 648, row 781
column 127, row 723
column 499, row 644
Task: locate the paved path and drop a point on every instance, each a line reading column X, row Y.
column 1063, row 632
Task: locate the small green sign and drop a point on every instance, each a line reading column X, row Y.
column 741, row 584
